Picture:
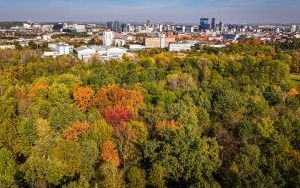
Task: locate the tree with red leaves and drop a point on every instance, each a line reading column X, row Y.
column 117, row 116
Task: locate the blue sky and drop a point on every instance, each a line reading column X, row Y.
column 229, row 11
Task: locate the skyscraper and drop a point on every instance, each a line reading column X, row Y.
column 148, row 23
column 124, row 28
column 116, row 26
column 213, row 24
column 109, row 25
column 204, row 24
column 220, row 29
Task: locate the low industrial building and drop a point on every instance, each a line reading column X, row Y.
column 102, row 52
column 182, row 46
column 135, row 47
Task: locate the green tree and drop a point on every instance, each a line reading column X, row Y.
column 187, row 158
column 8, row 168
column 111, row 176
column 136, row 177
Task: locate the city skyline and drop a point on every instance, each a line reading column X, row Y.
column 180, row 11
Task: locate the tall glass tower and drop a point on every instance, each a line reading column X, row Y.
column 213, row 24
column 204, row 24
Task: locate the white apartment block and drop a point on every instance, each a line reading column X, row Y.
column 108, row 38
column 58, row 49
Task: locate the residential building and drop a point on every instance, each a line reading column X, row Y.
column 46, row 37
column 61, row 48
column 79, row 28
column 294, row 29
column 158, row 42
column 108, row 38
column 161, row 27
column 120, row 42
column 58, row 49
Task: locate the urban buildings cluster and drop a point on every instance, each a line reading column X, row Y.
column 117, row 38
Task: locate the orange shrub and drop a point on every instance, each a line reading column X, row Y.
column 109, row 153
column 35, row 88
column 75, row 131
column 293, row 92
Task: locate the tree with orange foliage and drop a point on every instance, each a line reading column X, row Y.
column 82, row 97
column 109, row 153
column 293, row 92
column 172, row 124
column 35, row 88
column 75, row 130
column 116, row 97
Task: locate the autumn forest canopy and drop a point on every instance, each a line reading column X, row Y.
column 226, row 117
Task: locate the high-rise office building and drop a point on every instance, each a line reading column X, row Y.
column 221, row 27
column 148, row 23
column 124, row 28
column 116, row 26
column 109, row 25
column 204, row 24
column 213, row 24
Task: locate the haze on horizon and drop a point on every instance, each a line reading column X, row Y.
column 184, row 11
